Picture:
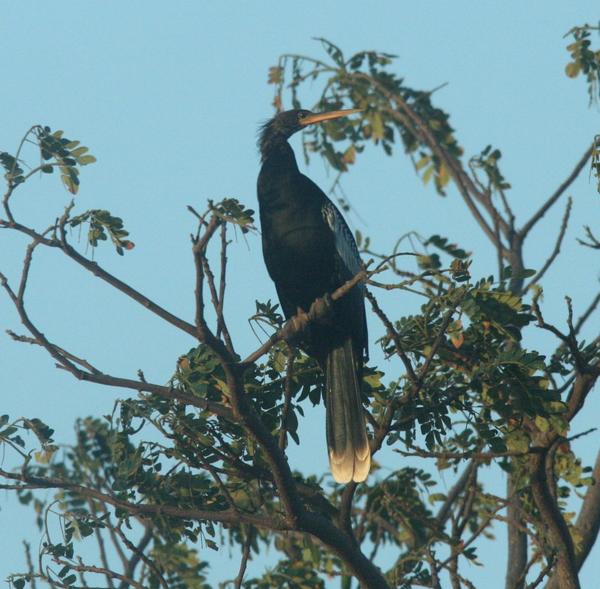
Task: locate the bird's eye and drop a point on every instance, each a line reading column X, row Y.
column 301, row 115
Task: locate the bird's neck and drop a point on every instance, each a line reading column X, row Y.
column 278, row 157
column 278, row 179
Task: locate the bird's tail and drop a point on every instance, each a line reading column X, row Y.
column 347, row 441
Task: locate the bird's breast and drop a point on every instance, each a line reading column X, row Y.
column 301, row 251
column 298, row 245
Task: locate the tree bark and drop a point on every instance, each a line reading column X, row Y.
column 556, row 531
column 588, row 524
column 517, row 540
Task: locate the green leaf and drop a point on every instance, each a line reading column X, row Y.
column 79, row 151
column 572, row 69
column 443, row 244
column 422, row 162
column 517, row 441
column 436, row 497
column 525, row 273
column 70, row 183
column 428, row 173
column 542, row 423
column 377, row 126
column 211, row 544
column 86, row 160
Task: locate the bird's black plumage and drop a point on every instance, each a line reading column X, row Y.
column 309, row 252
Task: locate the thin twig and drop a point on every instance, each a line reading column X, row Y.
column 34, row 342
column 445, row 510
column 522, row 233
column 221, row 325
column 222, row 278
column 138, row 554
column 82, row 568
column 244, row 562
column 542, row 574
column 29, row 562
column 393, row 335
column 556, row 250
column 479, row 456
column 586, row 314
column 101, row 547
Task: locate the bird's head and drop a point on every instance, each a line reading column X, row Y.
column 284, row 124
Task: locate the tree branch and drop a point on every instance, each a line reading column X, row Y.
column 138, row 554
column 587, row 524
column 445, row 510
column 244, row 562
column 227, row 516
column 556, row 250
column 465, row 185
column 69, row 361
column 297, row 324
column 522, row 233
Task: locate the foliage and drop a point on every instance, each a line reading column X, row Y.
column 199, row 463
column 55, row 151
column 101, row 226
column 365, row 80
column 584, row 60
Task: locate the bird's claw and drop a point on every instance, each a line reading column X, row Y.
column 320, row 310
column 296, row 325
column 300, row 321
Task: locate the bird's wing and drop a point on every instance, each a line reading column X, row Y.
column 348, row 264
column 350, row 259
column 343, row 239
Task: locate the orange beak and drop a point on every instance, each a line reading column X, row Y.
column 328, row 116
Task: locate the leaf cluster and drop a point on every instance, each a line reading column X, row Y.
column 57, row 150
column 364, row 80
column 101, row 226
column 584, row 60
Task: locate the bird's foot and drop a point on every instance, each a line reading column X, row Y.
column 295, row 327
column 320, row 310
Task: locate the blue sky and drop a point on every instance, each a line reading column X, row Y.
column 169, row 96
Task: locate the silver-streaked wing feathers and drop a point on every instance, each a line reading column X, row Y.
column 344, row 240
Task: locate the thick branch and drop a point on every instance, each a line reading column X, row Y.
column 588, row 521
column 587, row 525
column 557, row 532
column 98, row 271
column 69, row 362
column 227, row 516
column 516, row 537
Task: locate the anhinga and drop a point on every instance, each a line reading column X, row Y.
column 309, row 252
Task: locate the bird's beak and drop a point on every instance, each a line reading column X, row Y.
column 328, row 116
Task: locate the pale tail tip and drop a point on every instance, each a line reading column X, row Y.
column 352, row 466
